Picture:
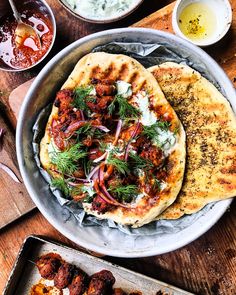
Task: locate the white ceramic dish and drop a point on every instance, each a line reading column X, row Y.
column 223, row 14
column 108, row 19
column 96, row 238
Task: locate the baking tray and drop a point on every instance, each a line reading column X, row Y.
column 25, row 274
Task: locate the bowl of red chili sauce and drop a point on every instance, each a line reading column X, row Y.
column 36, row 13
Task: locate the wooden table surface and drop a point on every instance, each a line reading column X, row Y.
column 207, row 265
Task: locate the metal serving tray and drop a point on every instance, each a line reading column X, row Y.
column 25, row 274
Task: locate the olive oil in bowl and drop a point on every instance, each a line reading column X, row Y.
column 202, row 22
column 198, row 22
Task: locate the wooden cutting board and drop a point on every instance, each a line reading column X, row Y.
column 16, row 194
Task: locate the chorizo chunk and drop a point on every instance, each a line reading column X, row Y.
column 64, row 275
column 48, row 265
column 79, row 283
column 101, row 283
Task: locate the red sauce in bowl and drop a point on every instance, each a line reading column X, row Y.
column 28, row 53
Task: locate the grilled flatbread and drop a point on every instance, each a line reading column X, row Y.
column 210, row 126
column 139, row 172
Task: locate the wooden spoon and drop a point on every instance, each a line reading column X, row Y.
column 24, row 31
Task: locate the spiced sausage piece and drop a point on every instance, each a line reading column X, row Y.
column 48, row 265
column 101, row 283
column 79, row 283
column 64, row 275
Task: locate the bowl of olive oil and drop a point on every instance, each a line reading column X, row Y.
column 202, row 22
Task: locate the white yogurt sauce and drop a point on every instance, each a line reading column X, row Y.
column 100, row 9
column 148, row 117
column 123, row 88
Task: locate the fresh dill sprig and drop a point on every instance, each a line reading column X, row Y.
column 125, row 193
column 125, row 109
column 61, row 184
column 156, row 183
column 139, row 162
column 103, row 146
column 84, row 129
column 152, row 130
column 89, row 130
column 87, row 165
column 111, row 107
column 67, row 161
column 120, row 165
column 81, row 96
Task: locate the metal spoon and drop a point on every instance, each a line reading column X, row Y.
column 23, row 30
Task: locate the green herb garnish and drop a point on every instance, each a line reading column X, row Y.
column 120, row 165
column 125, row 109
column 81, row 96
column 152, row 131
column 156, row 183
column 139, row 162
column 87, row 165
column 125, row 193
column 89, row 192
column 61, row 184
column 67, row 161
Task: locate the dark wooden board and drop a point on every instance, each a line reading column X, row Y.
column 14, row 199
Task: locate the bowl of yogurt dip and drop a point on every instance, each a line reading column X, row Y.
column 101, row 11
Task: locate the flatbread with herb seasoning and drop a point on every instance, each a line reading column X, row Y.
column 113, row 142
column 210, row 126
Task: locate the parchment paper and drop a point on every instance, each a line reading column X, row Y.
column 148, row 55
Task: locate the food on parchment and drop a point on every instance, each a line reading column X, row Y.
column 71, row 277
column 210, row 126
column 113, row 142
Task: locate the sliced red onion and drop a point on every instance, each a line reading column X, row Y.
column 82, row 115
column 79, row 182
column 9, row 172
column 101, row 127
column 129, row 143
column 73, row 127
column 104, row 197
column 101, row 174
column 71, row 176
column 102, row 157
column 118, row 130
column 93, row 171
column 115, row 202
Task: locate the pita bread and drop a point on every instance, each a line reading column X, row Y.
column 210, row 126
column 123, row 68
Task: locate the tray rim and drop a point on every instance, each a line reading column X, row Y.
column 46, row 240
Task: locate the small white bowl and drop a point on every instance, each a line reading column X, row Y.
column 105, row 20
column 223, row 12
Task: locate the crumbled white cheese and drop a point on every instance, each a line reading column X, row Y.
column 164, row 139
column 93, row 91
column 139, row 197
column 148, row 117
column 123, row 88
column 163, row 185
column 88, row 188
